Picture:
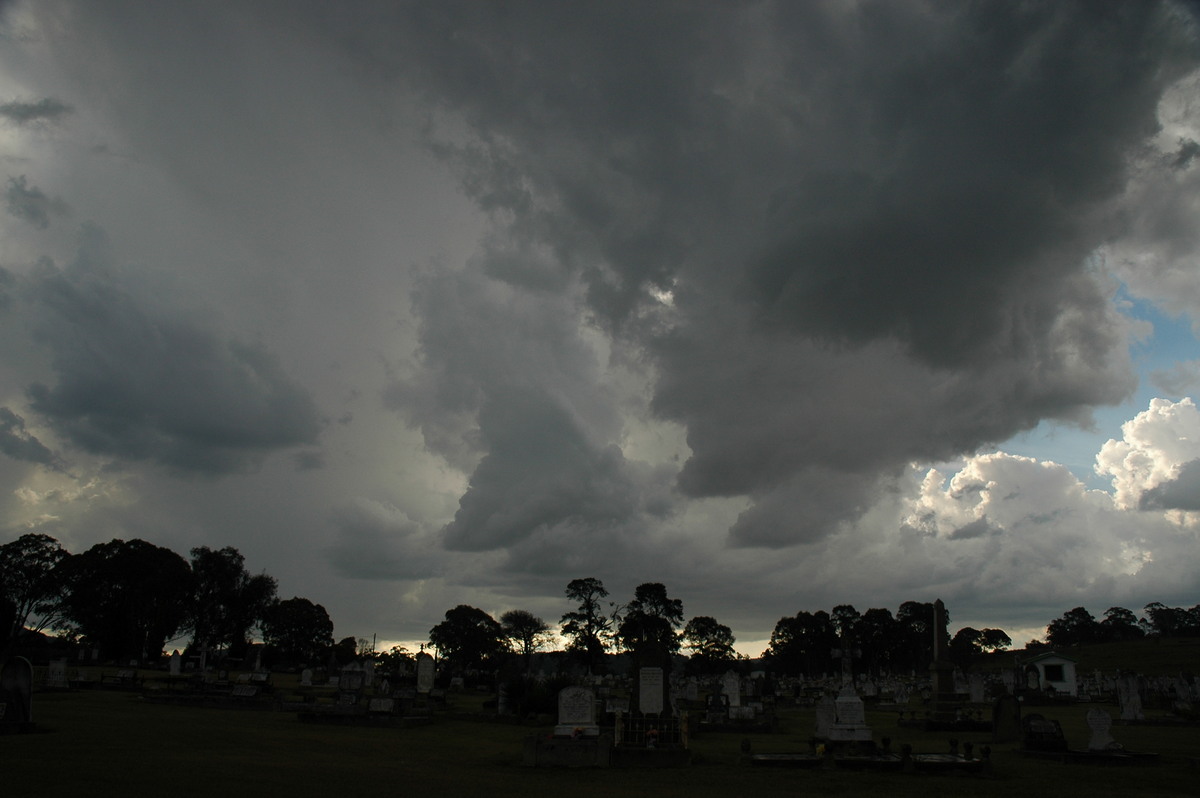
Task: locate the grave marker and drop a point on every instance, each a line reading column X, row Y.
column 56, row 674
column 576, row 713
column 16, row 691
column 731, row 686
column 1100, row 722
column 650, row 691
column 424, row 673
column 826, row 717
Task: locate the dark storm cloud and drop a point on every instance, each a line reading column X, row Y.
column 142, row 383
column 31, row 203
column 539, row 471
column 1180, row 493
column 510, row 391
column 874, row 218
column 18, row 443
column 377, row 541
column 46, row 109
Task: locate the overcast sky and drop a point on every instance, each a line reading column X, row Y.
column 784, row 305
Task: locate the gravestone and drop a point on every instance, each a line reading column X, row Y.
column 176, row 663
column 381, row 706
column 16, row 692
column 1042, row 734
column 424, row 673
column 56, row 674
column 851, row 725
column 306, row 677
column 945, row 697
column 826, row 717
column 1100, row 722
column 352, row 678
column 577, row 713
column 731, row 686
column 650, row 691
column 1130, row 697
column 1010, row 681
column 1006, row 719
column 976, row 688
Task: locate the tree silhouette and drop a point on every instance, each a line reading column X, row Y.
column 297, row 630
column 648, row 627
column 127, row 598
column 525, row 631
column 468, row 638
column 30, row 583
column 588, row 627
column 711, row 644
column 227, row 600
column 1075, row 627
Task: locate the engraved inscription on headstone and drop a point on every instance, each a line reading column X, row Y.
column 650, row 692
column 576, row 713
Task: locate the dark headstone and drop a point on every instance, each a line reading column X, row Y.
column 16, row 691
column 1042, row 734
column 1006, row 719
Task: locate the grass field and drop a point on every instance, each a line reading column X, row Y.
column 102, row 743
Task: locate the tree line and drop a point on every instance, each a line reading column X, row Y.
column 650, row 628
column 126, row 599
column 1080, row 627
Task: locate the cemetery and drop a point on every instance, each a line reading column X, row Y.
column 611, row 734
column 826, row 709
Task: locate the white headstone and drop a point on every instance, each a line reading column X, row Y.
column 306, row 677
column 851, row 723
column 650, row 690
column 176, row 666
column 576, row 712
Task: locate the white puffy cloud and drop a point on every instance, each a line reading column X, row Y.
column 1156, row 449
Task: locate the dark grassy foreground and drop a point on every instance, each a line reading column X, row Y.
column 99, row 743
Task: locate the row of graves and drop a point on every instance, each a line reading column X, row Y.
column 653, row 733
column 193, row 685
column 357, row 697
column 988, row 706
column 843, row 739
